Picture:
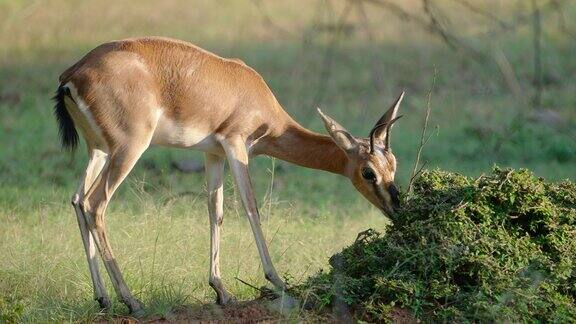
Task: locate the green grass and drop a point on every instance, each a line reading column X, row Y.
column 163, row 249
column 162, row 241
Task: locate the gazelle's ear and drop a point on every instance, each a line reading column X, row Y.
column 381, row 130
column 339, row 134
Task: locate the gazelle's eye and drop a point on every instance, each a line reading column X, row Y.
column 369, row 174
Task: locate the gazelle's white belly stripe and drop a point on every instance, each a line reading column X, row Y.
column 171, row 133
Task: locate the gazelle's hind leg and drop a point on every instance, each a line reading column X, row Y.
column 214, row 184
column 95, row 165
column 120, row 162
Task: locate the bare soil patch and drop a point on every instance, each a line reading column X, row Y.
column 253, row 311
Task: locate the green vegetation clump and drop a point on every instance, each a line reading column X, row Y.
column 10, row 310
column 501, row 247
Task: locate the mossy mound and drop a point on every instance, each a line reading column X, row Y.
column 501, row 247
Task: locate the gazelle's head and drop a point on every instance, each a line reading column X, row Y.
column 371, row 164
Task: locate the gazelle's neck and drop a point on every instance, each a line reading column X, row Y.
column 303, row 147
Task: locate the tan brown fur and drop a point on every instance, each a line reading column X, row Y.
column 190, row 85
column 129, row 94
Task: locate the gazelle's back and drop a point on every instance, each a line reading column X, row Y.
column 180, row 94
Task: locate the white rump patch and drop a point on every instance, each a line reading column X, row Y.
column 85, row 110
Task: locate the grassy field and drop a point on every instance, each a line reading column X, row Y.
column 158, row 220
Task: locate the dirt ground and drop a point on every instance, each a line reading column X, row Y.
column 254, row 311
column 243, row 312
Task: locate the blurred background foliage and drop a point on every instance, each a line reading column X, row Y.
column 503, row 94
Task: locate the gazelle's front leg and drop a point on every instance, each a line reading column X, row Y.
column 215, row 187
column 237, row 154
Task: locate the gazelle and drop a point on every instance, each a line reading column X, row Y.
column 127, row 95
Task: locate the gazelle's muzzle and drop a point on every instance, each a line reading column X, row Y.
column 394, row 196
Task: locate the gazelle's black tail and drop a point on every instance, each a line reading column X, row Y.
column 68, row 133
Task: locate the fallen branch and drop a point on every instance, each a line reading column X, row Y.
column 264, row 292
column 247, row 284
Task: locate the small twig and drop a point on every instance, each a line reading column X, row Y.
column 423, row 139
column 430, row 135
column 506, row 179
column 416, row 174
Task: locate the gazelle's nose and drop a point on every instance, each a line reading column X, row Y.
column 394, row 195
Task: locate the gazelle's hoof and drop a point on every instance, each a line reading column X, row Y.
column 225, row 299
column 276, row 281
column 222, row 296
column 136, row 308
column 104, row 303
